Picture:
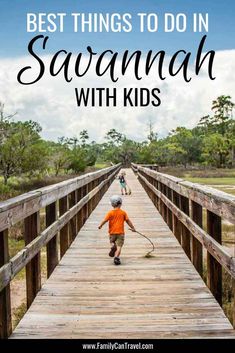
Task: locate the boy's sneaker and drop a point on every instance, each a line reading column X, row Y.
column 117, row 261
column 113, row 250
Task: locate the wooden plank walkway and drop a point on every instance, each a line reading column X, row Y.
column 159, row 297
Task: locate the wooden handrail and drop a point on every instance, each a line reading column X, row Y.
column 22, row 258
column 181, row 204
column 75, row 198
column 12, row 211
column 217, row 201
column 221, row 253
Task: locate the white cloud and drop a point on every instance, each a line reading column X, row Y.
column 52, row 102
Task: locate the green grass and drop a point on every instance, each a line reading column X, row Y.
column 199, row 172
column 101, row 165
column 15, row 246
column 212, row 181
column 228, row 190
column 223, row 184
column 18, row 314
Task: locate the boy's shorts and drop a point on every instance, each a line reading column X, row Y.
column 118, row 239
column 123, row 185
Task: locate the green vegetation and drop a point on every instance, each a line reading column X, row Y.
column 228, row 190
column 18, row 314
column 27, row 159
column 15, row 246
column 24, row 154
column 212, row 181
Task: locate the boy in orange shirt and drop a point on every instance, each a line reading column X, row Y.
column 116, row 219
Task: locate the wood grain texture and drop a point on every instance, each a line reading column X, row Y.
column 216, row 201
column 214, row 268
column 33, row 268
column 22, row 206
column 52, row 245
column 159, row 297
column 5, row 296
column 22, row 258
column 221, row 253
column 197, row 251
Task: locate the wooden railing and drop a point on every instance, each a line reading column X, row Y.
column 150, row 166
column 67, row 206
column 185, row 206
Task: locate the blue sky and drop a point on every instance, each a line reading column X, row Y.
column 51, row 102
column 14, row 38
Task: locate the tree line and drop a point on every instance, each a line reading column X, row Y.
column 211, row 142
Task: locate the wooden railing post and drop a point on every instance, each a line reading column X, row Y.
column 106, row 184
column 154, row 195
column 158, row 198
column 64, row 232
column 75, row 217
column 214, row 269
column 83, row 212
column 86, row 208
column 33, row 268
column 96, row 198
column 5, row 298
column 233, row 304
column 52, row 245
column 164, row 205
column 197, row 254
column 99, row 195
column 185, row 234
column 169, row 213
column 90, row 187
column 79, row 214
column 72, row 223
column 176, row 223
column 151, row 192
column 161, row 205
column 92, row 199
column 155, row 198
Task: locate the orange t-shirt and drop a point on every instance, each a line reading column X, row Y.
column 116, row 218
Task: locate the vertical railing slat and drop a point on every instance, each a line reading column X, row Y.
column 185, row 234
column 214, row 269
column 79, row 214
column 73, row 221
column 52, row 245
column 176, row 223
column 64, row 232
column 197, row 253
column 33, row 268
column 169, row 213
column 5, row 297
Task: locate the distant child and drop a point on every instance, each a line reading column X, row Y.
column 122, row 181
column 116, row 219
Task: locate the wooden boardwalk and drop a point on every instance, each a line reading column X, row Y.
column 159, row 297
